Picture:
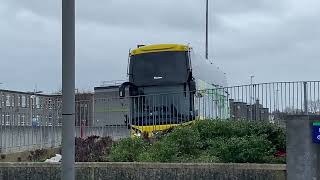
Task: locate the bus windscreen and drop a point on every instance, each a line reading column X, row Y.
column 159, row 68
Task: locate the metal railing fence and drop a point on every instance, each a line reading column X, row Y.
column 269, row 102
column 254, row 102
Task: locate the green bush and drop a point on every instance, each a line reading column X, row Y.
column 207, row 141
column 210, row 129
column 160, row 152
column 185, row 139
column 246, row 149
column 181, row 142
column 274, row 134
column 128, row 150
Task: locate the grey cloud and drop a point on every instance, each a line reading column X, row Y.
column 272, row 40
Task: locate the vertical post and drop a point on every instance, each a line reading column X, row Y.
column 305, row 97
column 251, row 97
column 68, row 89
column 207, row 34
column 302, row 152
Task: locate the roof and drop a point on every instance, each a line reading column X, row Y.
column 107, row 87
column 27, row 93
column 159, row 48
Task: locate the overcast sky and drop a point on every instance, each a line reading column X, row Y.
column 274, row 40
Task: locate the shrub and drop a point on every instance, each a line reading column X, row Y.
column 178, row 145
column 160, row 152
column 210, row 129
column 246, row 149
column 40, row 155
column 128, row 150
column 185, row 139
column 92, row 149
column 207, row 141
column 274, row 134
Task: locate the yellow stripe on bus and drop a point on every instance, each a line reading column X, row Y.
column 150, row 129
column 159, row 48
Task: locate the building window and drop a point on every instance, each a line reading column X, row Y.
column 12, row 100
column 50, row 103
column 33, row 101
column 19, row 101
column 8, row 103
column 23, row 101
column 2, row 120
column 18, row 120
column 38, row 117
column 13, row 119
column 37, row 102
column 22, row 120
column 27, row 101
column 50, row 119
column 1, row 101
column 7, row 120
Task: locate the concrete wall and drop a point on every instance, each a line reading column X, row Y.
column 25, row 138
column 145, row 171
column 302, row 153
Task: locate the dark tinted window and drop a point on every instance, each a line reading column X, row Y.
column 159, row 68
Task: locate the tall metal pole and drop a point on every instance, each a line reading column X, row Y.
column 68, row 87
column 207, row 34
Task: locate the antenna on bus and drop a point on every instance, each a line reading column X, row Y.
column 207, row 14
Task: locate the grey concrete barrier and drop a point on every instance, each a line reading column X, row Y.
column 302, row 154
column 145, row 171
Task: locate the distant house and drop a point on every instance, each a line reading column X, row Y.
column 255, row 112
column 19, row 108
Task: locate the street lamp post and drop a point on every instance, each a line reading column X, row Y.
column 251, row 79
column 207, row 27
column 68, row 86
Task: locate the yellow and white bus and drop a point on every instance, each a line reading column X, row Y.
column 166, row 81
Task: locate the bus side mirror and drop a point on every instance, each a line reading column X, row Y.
column 122, row 91
column 192, row 86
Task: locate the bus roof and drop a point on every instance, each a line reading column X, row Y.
column 159, row 48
